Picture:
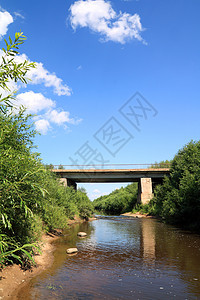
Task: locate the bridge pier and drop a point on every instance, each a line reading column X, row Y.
column 145, row 190
column 145, row 178
column 63, row 181
column 68, row 182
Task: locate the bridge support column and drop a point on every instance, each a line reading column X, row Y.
column 68, row 182
column 63, row 181
column 145, row 192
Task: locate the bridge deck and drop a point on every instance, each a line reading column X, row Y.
column 111, row 175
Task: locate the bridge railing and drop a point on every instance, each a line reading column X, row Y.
column 110, row 166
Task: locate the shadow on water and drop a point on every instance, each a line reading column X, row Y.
column 122, row 258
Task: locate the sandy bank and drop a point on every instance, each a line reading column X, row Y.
column 137, row 215
column 13, row 278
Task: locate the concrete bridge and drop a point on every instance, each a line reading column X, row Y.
column 147, row 178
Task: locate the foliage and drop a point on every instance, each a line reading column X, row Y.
column 31, row 197
column 65, row 201
column 84, row 205
column 142, row 208
column 9, row 251
column 117, row 202
column 177, row 200
column 20, row 174
column 161, row 164
column 55, row 216
column 60, row 167
column 16, row 182
column 49, row 167
column 10, row 69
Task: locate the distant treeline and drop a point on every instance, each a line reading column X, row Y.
column 117, row 202
column 161, row 164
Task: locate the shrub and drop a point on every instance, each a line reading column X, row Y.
column 178, row 199
column 30, row 196
column 55, row 217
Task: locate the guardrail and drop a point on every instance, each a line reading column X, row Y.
column 110, row 166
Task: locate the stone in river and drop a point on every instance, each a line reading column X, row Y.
column 72, row 250
column 82, row 234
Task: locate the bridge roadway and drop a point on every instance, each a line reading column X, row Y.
column 146, row 178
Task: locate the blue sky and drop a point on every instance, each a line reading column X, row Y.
column 97, row 60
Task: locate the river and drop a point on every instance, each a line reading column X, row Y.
column 122, row 258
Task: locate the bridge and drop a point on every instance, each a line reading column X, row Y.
column 147, row 178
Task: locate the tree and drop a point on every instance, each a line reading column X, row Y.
column 60, row 167
column 11, row 70
column 117, row 202
column 31, row 198
column 20, row 169
column 178, row 199
column 82, row 189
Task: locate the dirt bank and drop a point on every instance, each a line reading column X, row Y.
column 137, row 215
column 13, row 278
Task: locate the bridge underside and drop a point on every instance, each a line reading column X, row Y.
column 147, row 179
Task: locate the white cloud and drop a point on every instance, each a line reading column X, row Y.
column 61, row 117
column 96, row 191
column 5, row 20
column 34, row 102
column 42, row 126
column 37, row 103
column 46, row 112
column 99, row 16
column 41, row 75
column 58, row 117
column 17, row 14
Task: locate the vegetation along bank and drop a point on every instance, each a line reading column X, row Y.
column 32, row 201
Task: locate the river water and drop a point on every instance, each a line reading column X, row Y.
column 122, row 258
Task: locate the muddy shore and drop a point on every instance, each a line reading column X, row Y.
column 13, row 278
column 137, row 215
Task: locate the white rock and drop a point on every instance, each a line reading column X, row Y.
column 72, row 250
column 82, row 234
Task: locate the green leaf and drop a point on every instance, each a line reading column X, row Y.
column 6, row 42
column 17, row 257
column 10, row 40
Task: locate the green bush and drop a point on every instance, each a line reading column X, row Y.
column 37, row 228
column 55, row 217
column 177, row 200
column 84, row 205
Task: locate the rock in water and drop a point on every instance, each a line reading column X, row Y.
column 82, row 234
column 72, row 250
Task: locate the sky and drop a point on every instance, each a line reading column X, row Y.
column 117, row 82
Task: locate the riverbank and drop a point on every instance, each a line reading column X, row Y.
column 137, row 215
column 13, row 278
column 122, row 257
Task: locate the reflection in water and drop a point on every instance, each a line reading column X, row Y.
column 122, row 258
column 148, row 240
